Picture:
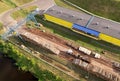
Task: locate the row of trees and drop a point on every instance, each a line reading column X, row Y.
column 27, row 64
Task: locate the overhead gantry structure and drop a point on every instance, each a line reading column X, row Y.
column 30, row 17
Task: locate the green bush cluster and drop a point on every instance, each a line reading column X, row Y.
column 27, row 64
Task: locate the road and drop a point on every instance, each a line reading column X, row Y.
column 7, row 20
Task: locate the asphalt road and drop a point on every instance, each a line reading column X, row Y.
column 7, row 20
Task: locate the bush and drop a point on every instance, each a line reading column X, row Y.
column 27, row 64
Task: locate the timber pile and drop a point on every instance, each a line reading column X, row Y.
column 55, row 48
column 80, row 63
column 103, row 73
column 106, row 74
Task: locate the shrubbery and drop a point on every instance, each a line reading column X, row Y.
column 27, row 64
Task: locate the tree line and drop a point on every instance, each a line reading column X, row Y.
column 27, row 64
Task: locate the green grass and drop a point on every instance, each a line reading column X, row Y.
column 106, row 8
column 21, row 2
column 1, row 26
column 22, row 13
column 117, row 0
column 30, row 8
column 9, row 3
column 3, row 7
column 61, row 3
column 19, row 14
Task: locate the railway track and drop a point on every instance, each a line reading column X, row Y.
column 65, row 44
column 100, row 60
column 107, row 64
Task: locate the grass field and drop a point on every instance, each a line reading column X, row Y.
column 30, row 8
column 8, row 4
column 19, row 14
column 117, row 0
column 61, row 3
column 3, row 7
column 1, row 25
column 1, row 28
column 21, row 2
column 105, row 8
column 23, row 12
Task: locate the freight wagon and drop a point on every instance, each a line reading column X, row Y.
column 84, row 50
column 116, row 65
column 89, row 52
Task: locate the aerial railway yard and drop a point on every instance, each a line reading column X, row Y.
column 77, row 55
